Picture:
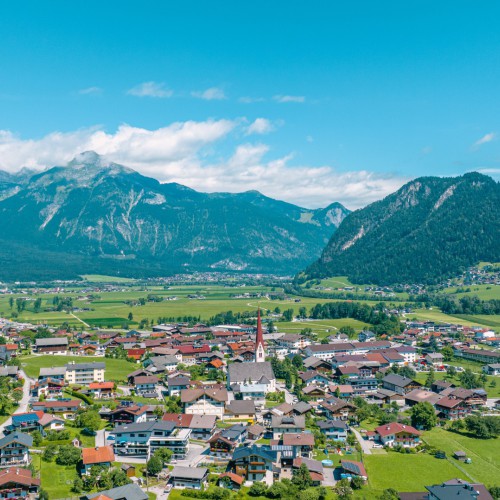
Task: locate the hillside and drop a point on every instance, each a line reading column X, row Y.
column 91, row 216
column 428, row 230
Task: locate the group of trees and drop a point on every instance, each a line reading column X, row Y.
column 479, row 427
column 157, row 462
column 100, row 478
column 10, row 394
column 466, row 304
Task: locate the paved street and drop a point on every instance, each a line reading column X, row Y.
column 366, row 446
column 23, row 405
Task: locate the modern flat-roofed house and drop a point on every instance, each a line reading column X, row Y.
column 85, row 373
column 202, row 426
column 57, row 345
column 15, row 449
column 101, row 456
column 194, row 478
column 399, row 384
column 394, row 434
column 17, row 483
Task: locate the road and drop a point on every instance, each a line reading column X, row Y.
column 366, row 446
column 23, row 404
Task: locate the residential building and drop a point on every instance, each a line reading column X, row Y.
column 249, row 374
column 287, row 424
column 58, row 345
column 85, row 373
column 18, row 483
column 254, row 462
column 204, row 401
column 194, row 478
column 399, row 384
column 128, row 492
column 14, row 449
column 202, row 426
column 99, row 456
column 334, row 429
column 398, row 434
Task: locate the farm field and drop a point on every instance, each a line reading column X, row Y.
column 323, row 327
column 485, row 453
column 116, row 369
column 484, row 292
column 407, row 472
column 439, row 317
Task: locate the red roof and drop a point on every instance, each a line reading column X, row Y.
column 395, row 428
column 18, row 476
column 182, row 420
column 101, row 385
column 98, row 455
column 189, row 349
column 234, row 477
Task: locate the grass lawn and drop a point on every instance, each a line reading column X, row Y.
column 116, row 369
column 466, row 320
column 370, row 424
column 57, row 480
column 323, row 327
column 485, row 453
column 407, row 472
column 99, row 278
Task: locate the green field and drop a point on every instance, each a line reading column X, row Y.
column 323, row 328
column 466, row 320
column 485, row 453
column 56, row 479
column 407, row 472
column 484, row 292
column 116, row 369
column 100, row 278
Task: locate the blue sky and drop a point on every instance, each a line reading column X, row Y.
column 308, row 102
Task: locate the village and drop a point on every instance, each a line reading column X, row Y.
column 233, row 408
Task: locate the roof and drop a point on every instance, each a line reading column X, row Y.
column 293, row 439
column 189, row 395
column 101, row 385
column 19, row 476
column 245, row 451
column 146, row 379
column 332, row 424
column 289, row 421
column 398, row 380
column 188, row 472
column 356, row 468
column 312, row 465
column 241, row 372
column 395, row 428
column 234, row 477
column 459, row 490
column 97, row 455
column 16, row 437
column 86, row 366
column 128, row 492
column 448, row 402
column 58, row 404
column 241, row 407
column 421, row 395
column 51, row 342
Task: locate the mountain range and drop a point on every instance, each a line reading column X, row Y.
column 430, row 229
column 93, row 216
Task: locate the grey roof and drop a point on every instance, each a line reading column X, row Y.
column 178, row 381
column 287, row 421
column 397, row 380
column 51, row 341
column 444, row 491
column 8, row 370
column 333, row 424
column 180, row 472
column 245, row 451
column 242, row 372
column 161, row 361
column 86, row 366
column 145, row 427
column 203, row 422
column 18, row 437
column 241, row 407
column 234, row 432
column 301, row 407
column 50, row 372
column 127, row 492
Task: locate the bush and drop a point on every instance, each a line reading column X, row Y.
column 257, row 490
column 68, row 455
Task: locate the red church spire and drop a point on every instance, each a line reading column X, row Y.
column 260, row 352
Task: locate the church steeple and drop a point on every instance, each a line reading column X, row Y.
column 260, row 350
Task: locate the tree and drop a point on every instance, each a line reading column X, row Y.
column 257, row 489
column 389, row 494
column 130, row 316
column 447, row 353
column 77, row 485
column 88, row 419
column 343, row 489
column 451, row 371
column 164, row 455
column 408, row 372
column 43, row 495
column 68, row 455
column 11, row 302
column 288, row 314
column 154, row 466
column 37, row 438
column 423, row 416
column 302, row 477
column 49, row 453
column 431, row 377
column 37, row 305
column 357, row 482
column 495, row 492
column 468, row 379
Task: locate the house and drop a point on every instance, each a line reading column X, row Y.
column 102, row 456
column 458, row 489
column 452, row 408
column 54, row 373
column 125, row 414
column 102, row 390
column 128, row 492
column 293, row 341
column 394, row 434
column 249, row 374
column 315, row 468
column 144, row 438
column 366, row 336
column 335, row 408
column 399, row 384
column 160, row 364
column 202, row 426
column 408, row 353
column 320, row 365
column 287, row 424
column 34, row 421
column 350, row 469
column 385, row 396
column 204, row 401
column 334, row 429
column 434, row 359
column 301, row 408
column 302, row 445
column 146, row 384
column 254, row 462
column 17, row 483
column 343, row 391
column 223, row 443
column 84, row 373
column 440, row 385
column 176, row 384
column 255, row 431
column 193, row 478
column 50, row 388
column 421, row 396
column 66, row 407
column 492, row 369
column 314, row 392
column 9, row 371
column 14, row 449
column 481, row 355
column 230, row 480
column 315, row 378
column 52, row 346
column 242, row 409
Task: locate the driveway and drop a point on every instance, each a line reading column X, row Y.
column 329, row 479
column 196, row 454
column 23, row 404
column 366, row 446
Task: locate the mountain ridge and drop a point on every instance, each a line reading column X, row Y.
column 92, row 210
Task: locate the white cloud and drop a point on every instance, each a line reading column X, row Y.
column 211, row 94
column 91, row 91
column 484, row 140
column 260, row 126
column 186, row 152
column 289, row 98
column 150, row 89
column 250, row 100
